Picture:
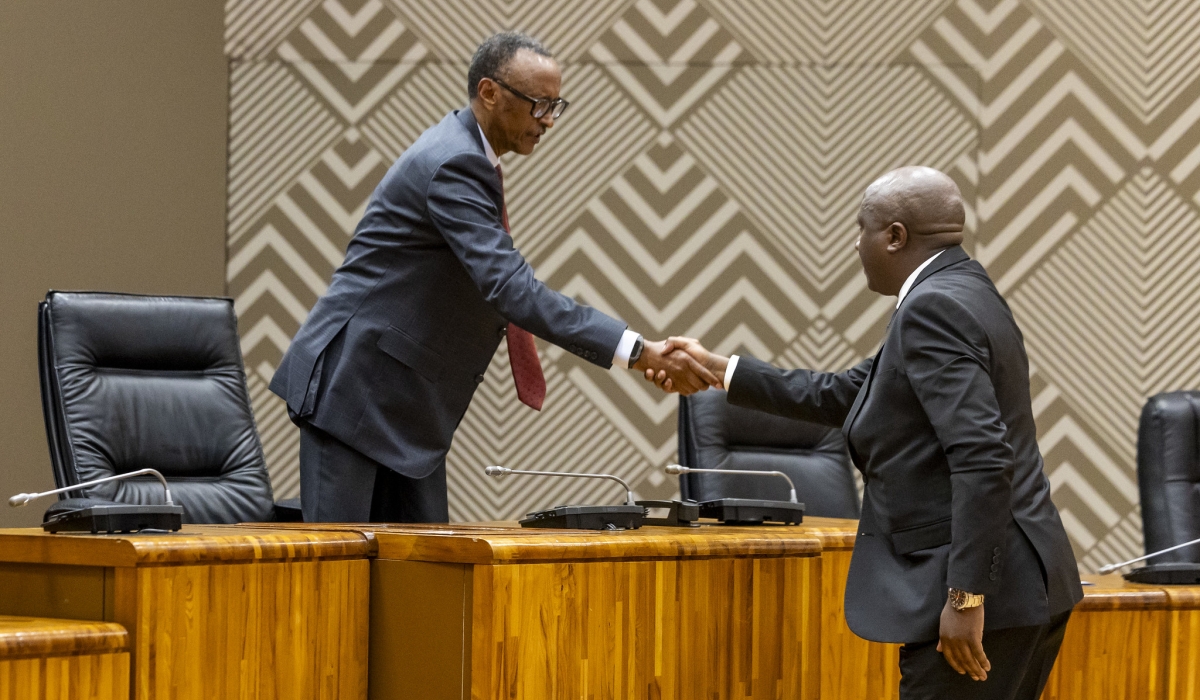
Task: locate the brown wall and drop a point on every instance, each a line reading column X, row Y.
column 112, row 176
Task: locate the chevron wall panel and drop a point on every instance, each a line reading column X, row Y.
column 705, row 182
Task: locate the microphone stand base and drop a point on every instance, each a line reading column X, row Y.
column 1171, row 573
column 115, row 518
column 587, row 518
column 751, row 511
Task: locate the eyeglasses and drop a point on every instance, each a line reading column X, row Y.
column 542, row 107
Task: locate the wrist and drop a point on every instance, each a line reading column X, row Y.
column 962, row 600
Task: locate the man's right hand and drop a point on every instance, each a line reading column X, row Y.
column 715, row 364
column 679, row 370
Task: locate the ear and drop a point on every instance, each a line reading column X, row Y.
column 486, row 93
column 897, row 237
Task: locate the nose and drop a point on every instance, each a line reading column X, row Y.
column 547, row 120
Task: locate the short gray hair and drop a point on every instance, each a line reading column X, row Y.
column 494, row 54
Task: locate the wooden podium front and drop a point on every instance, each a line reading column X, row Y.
column 486, row 612
column 212, row 612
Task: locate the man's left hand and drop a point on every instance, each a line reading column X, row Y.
column 961, row 641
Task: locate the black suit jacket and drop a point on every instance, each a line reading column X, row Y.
column 430, row 281
column 941, row 426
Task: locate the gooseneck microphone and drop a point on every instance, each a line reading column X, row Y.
column 680, row 469
column 22, row 498
column 504, row 471
column 1113, row 567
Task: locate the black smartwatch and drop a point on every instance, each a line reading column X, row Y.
column 636, row 353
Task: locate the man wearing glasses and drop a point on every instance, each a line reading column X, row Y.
column 383, row 369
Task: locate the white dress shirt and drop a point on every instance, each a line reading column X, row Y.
column 628, row 338
column 908, row 283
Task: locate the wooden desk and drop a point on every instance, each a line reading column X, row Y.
column 212, row 612
column 1128, row 641
column 63, row 659
column 489, row 612
column 851, row 667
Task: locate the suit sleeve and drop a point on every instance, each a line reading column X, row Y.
column 817, row 397
column 463, row 211
column 946, row 356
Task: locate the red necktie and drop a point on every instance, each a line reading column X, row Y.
column 522, row 351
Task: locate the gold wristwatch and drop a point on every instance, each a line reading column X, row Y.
column 961, row 600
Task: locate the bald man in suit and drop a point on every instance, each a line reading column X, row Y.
column 960, row 555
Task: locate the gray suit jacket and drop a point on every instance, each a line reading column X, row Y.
column 940, row 424
column 429, row 283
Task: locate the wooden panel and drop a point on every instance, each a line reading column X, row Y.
column 513, row 546
column 40, row 636
column 420, row 630
column 85, row 677
column 193, row 544
column 698, row 628
column 1110, row 654
column 69, row 592
column 271, row 630
column 851, row 667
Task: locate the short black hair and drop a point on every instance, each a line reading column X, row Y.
column 494, row 54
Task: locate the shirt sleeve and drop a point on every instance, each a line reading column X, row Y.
column 625, row 349
column 733, row 360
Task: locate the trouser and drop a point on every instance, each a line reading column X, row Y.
column 1021, row 659
column 339, row 484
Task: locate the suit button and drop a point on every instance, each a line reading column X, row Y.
column 479, row 379
column 996, row 551
column 995, row 568
column 592, row 355
column 992, row 576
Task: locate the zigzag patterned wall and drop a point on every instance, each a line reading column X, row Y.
column 705, row 183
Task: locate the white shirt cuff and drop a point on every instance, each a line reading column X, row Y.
column 625, row 349
column 733, row 359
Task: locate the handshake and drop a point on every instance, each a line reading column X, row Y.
column 681, row 365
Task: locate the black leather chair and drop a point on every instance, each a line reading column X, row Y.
column 716, row 435
column 1168, row 465
column 130, row 382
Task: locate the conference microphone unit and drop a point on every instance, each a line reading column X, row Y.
column 623, row 517
column 1182, row 572
column 92, row 515
column 747, row 511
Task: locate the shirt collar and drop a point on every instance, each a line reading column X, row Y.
column 487, row 149
column 908, row 283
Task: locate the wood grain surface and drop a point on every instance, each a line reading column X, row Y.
column 217, row 611
column 484, row 546
column 270, row 630
column 193, row 544
column 102, row 676
column 688, row 628
column 40, row 636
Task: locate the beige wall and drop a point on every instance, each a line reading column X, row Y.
column 112, row 176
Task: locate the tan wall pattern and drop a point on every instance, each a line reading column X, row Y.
column 705, row 182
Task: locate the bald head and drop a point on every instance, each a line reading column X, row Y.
column 906, row 216
column 925, row 200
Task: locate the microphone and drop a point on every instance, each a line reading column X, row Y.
column 1113, row 567
column 680, row 469
column 22, row 498
column 505, row 471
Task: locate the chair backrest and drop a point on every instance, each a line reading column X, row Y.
column 713, row 434
column 1168, row 465
column 130, row 382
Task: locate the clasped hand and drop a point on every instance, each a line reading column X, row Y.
column 672, row 368
column 681, row 365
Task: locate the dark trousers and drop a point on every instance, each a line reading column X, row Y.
column 1021, row 659
column 339, row 484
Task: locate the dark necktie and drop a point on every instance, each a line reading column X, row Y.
column 522, row 351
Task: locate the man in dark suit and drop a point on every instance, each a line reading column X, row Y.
column 961, row 554
column 385, row 365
